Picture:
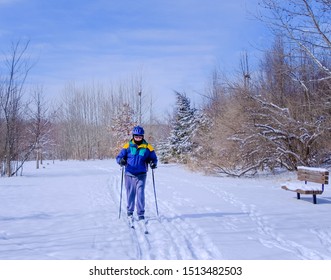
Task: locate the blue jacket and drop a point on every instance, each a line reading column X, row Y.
column 137, row 157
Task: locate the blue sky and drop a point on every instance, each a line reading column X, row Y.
column 173, row 44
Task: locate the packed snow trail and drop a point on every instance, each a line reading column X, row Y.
column 69, row 210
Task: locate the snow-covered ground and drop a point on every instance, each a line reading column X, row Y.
column 69, row 210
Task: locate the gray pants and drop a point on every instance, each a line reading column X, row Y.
column 135, row 187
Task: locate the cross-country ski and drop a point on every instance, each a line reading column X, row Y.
column 131, row 222
column 143, row 225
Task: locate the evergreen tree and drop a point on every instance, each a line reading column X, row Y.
column 180, row 143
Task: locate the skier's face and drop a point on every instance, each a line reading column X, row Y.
column 138, row 137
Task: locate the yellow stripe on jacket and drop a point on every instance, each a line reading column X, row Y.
column 141, row 146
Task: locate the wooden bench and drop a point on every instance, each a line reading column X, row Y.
column 318, row 177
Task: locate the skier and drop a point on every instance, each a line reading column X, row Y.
column 135, row 156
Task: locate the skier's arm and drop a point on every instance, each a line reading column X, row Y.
column 122, row 156
column 153, row 159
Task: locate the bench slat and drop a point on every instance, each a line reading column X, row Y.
column 313, row 175
column 312, row 169
column 321, row 179
column 309, row 192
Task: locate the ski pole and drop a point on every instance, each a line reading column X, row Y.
column 119, row 214
column 157, row 209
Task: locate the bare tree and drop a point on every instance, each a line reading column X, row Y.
column 122, row 124
column 245, row 70
column 306, row 24
column 16, row 69
column 39, row 124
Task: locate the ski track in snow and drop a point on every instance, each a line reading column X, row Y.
column 324, row 237
column 268, row 235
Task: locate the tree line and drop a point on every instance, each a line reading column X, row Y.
column 277, row 115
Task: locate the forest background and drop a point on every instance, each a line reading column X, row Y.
column 274, row 116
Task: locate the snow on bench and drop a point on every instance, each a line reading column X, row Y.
column 317, row 178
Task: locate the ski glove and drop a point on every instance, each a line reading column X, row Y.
column 122, row 162
column 153, row 165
